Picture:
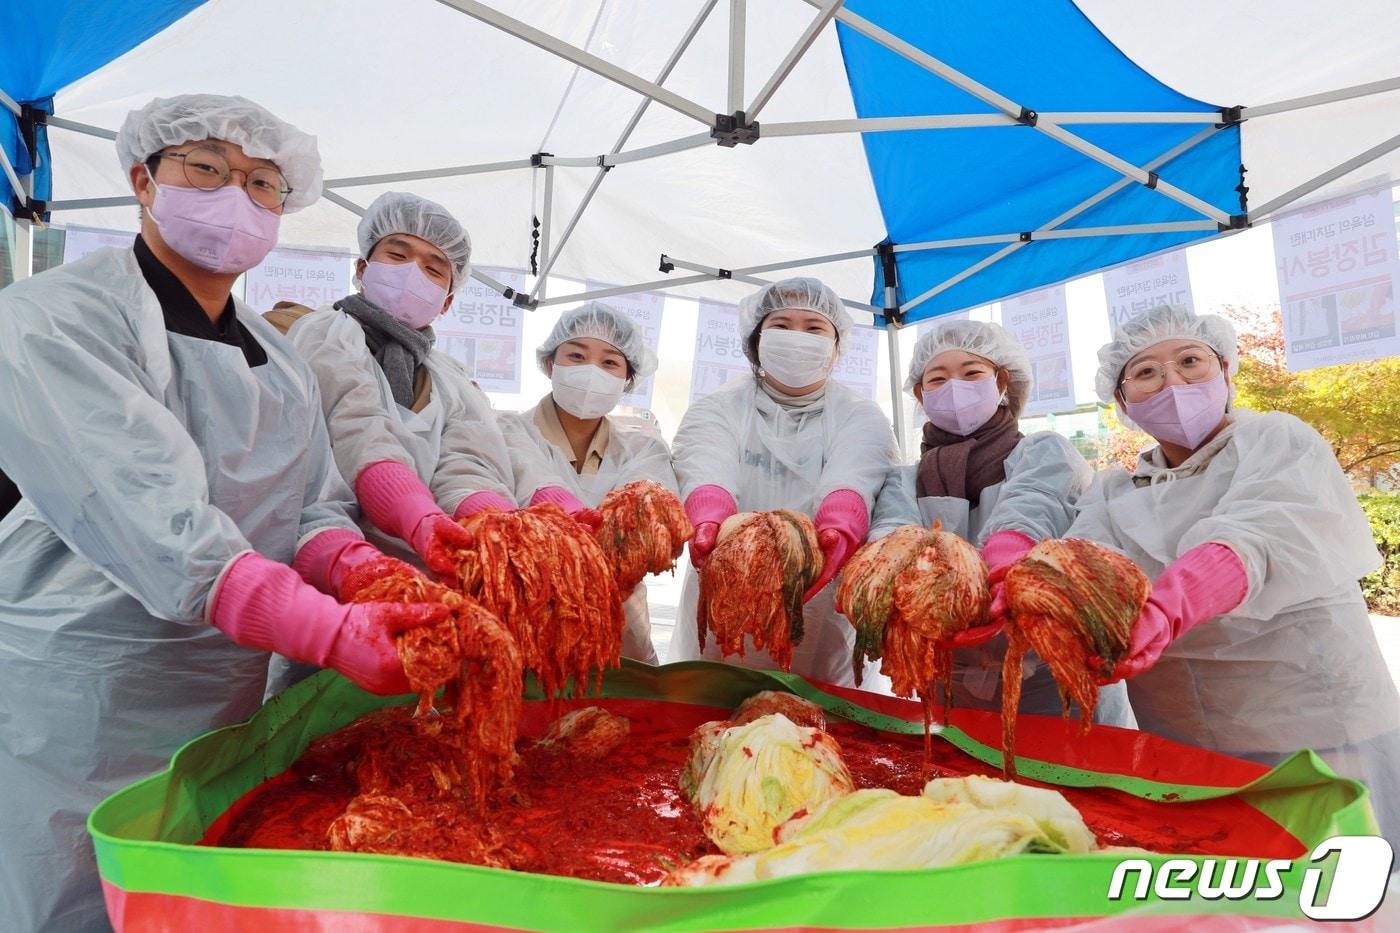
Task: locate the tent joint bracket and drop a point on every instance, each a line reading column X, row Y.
column 667, row 266
column 1027, row 117
column 537, row 159
column 1230, row 116
column 1026, row 236
column 32, row 210
column 520, row 299
column 1237, row 222
column 734, row 128
column 1152, row 179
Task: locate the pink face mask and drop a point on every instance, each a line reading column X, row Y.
column 961, row 406
column 1182, row 414
column 403, row 290
column 220, row 230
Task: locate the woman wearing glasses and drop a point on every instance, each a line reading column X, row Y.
column 1255, row 641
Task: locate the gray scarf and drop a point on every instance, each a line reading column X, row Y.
column 397, row 348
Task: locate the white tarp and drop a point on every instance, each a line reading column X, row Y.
column 1337, row 269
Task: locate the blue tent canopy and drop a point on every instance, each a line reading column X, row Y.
column 44, row 47
column 1011, row 180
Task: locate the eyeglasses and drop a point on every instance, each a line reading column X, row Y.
column 208, row 170
column 1150, row 376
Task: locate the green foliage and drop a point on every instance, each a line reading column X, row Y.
column 1382, row 588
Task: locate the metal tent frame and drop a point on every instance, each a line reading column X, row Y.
column 740, row 126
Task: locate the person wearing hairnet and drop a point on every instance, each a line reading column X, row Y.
column 1255, row 640
column 172, row 460
column 988, row 483
column 412, row 433
column 594, row 355
column 789, row 438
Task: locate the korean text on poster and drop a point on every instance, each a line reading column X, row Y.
column 1337, row 265
column 719, row 350
column 484, row 331
column 858, row 365
column 1040, row 320
column 1135, row 287
column 301, row 277
column 645, row 308
column 80, row 241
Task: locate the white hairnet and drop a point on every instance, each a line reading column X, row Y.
column 1168, row 322
column 805, row 293
column 170, row 121
column 990, row 341
column 401, row 212
column 605, row 323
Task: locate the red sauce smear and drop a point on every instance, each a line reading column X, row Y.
column 622, row 818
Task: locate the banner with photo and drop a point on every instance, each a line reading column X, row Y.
column 1135, row 287
column 719, row 350
column 80, row 241
column 485, row 332
column 646, row 309
column 1337, row 264
column 858, row 365
column 1040, row 320
column 300, row 276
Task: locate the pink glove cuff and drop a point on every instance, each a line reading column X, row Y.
column 262, row 604
column 394, row 498
column 481, row 501
column 845, row 511
column 1005, row 548
column 710, row 504
column 559, row 496
column 324, row 559
column 1207, row 581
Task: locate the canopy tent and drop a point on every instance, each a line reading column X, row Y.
column 993, row 146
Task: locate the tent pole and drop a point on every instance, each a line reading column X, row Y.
column 346, row 203
column 655, row 286
column 739, row 276
column 896, row 396
column 1064, row 218
column 85, row 128
column 586, row 60
column 24, row 249
column 736, row 55
column 794, row 55
column 540, row 286
column 79, row 204
column 964, row 120
column 1025, row 115
column 15, row 184
column 662, row 75
column 1326, row 97
column 355, row 181
column 1332, row 174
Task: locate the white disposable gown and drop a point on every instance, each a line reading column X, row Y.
column 148, row 460
column 1296, row 665
column 1045, row 475
column 454, row 444
column 770, row 456
column 632, row 453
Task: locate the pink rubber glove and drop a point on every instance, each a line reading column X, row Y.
column 707, row 508
column 262, row 604
column 842, row 521
column 398, row 503
column 480, row 502
column 1001, row 551
column 329, row 555
column 591, row 519
column 1207, row 581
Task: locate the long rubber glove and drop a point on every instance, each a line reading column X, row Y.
column 265, row 605
column 1000, row 553
column 842, row 522
column 707, row 508
column 1207, row 581
column 398, row 503
column 591, row 519
column 325, row 559
column 480, row 502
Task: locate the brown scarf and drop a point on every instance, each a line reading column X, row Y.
column 961, row 467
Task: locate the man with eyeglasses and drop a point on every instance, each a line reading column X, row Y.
column 1255, row 640
column 169, row 447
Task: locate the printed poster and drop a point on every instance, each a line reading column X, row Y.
column 858, row 366
column 1135, row 287
column 646, row 309
column 305, row 278
column 485, row 331
column 1040, row 320
column 81, row 241
column 719, row 350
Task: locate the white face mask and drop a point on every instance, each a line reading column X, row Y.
column 586, row 391
column 794, row 358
